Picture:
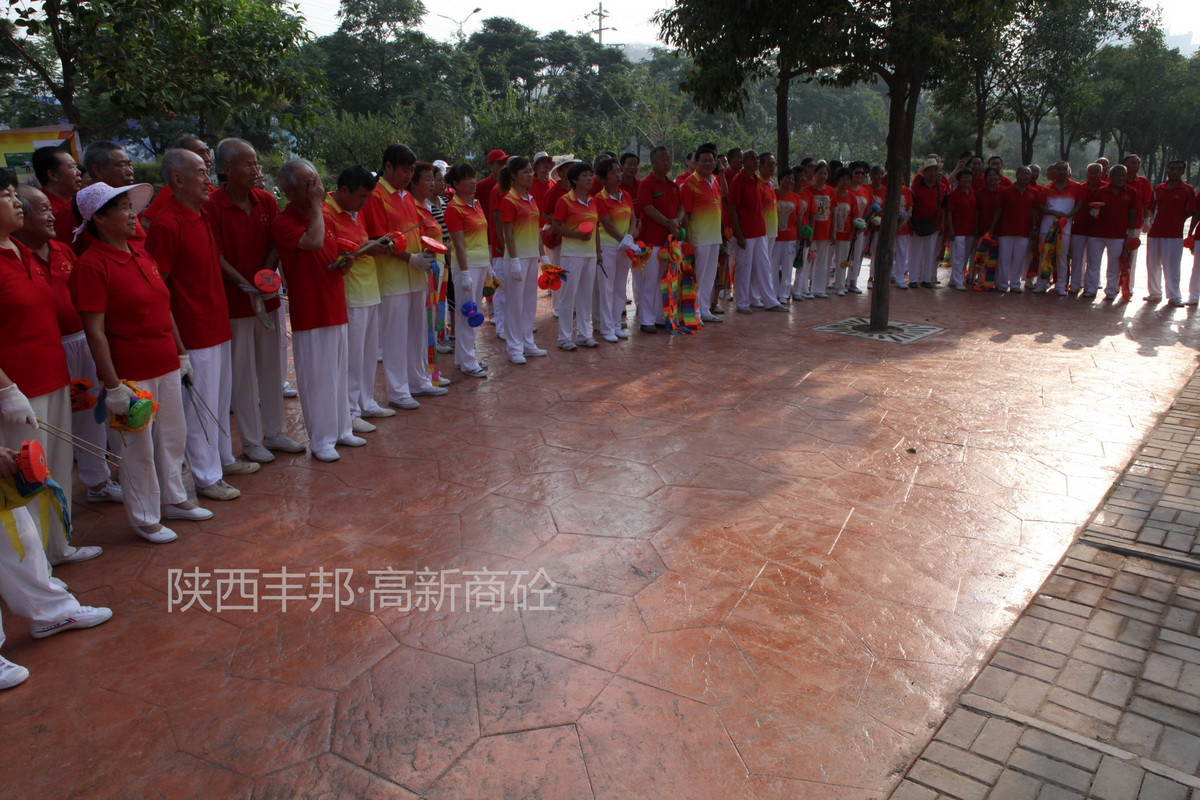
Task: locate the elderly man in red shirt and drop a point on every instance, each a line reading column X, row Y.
column 658, row 204
column 308, row 250
column 240, row 216
column 1015, row 223
column 748, row 215
column 929, row 201
column 60, row 178
column 1115, row 218
column 1083, row 276
column 182, row 243
column 1172, row 203
column 1062, row 198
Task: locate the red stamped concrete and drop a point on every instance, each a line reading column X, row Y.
column 776, row 554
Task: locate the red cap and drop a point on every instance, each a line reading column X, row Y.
column 497, row 155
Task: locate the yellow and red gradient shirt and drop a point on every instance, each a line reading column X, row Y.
column 362, row 281
column 619, row 209
column 1171, row 208
column 471, row 219
column 701, row 199
column 389, row 209
column 770, row 207
column 572, row 211
column 789, row 230
column 523, row 213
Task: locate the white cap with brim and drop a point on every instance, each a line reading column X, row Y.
column 559, row 163
column 93, row 197
column 930, row 163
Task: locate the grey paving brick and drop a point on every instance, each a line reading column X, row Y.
column 993, row 683
column 1113, row 689
column 945, row 781
column 1026, row 694
column 1015, row 785
column 1163, row 669
column 1179, row 749
column 1156, row 787
column 1048, row 769
column 1079, row 676
column 1116, row 780
column 1138, row 733
column 961, row 728
column 964, row 762
column 911, row 791
column 997, row 739
column 1084, row 705
column 1052, row 792
column 1060, row 749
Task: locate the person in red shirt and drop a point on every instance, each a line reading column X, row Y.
column 60, row 178
column 56, row 261
column 700, row 195
column 997, row 163
column 1115, row 219
column 961, row 218
column 182, row 244
column 309, row 256
column 467, row 225
column 689, row 166
column 900, row 248
column 788, row 203
column 845, row 214
column 752, row 275
column 33, row 365
column 106, row 162
column 1061, row 199
column 519, row 217
column 1141, row 187
column 1083, row 276
column 126, row 310
column 496, row 159
column 1172, row 203
column 818, row 196
column 660, row 210
column 929, row 197
column 1014, row 223
column 240, row 217
column 542, row 164
column 629, row 173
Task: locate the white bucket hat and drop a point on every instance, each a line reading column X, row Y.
column 92, row 198
column 559, row 163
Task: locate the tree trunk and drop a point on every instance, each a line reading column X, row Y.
column 903, row 92
column 981, row 101
column 783, row 84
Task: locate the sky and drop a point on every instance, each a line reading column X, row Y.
column 631, row 18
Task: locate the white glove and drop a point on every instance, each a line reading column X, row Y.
column 466, row 283
column 544, row 260
column 15, row 408
column 627, row 243
column 185, row 366
column 117, row 399
column 421, row 261
column 515, row 270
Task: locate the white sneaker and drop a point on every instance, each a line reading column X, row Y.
column 568, row 346
column 431, row 391
column 108, row 493
column 326, row 455
column 517, row 359
column 195, row 514
column 535, row 352
column 160, row 536
column 85, row 617
column 444, row 347
column 588, row 342
column 379, row 412
column 611, row 338
column 352, row 441
column 288, row 391
column 476, row 372
column 219, row 491
column 622, row 335
column 407, row 403
column 259, row 454
column 707, row 317
column 841, row 292
column 59, row 582
column 360, row 425
column 80, row 554
column 282, row 443
column 443, row 381
column 239, row 467
column 11, row 674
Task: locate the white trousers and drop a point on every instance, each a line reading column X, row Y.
column 783, row 256
column 1010, row 266
column 1061, row 264
column 922, row 257
column 612, row 287
column 208, row 443
column 772, row 268
column 649, row 297
column 841, row 259
column 257, row 403
column 362, row 358
column 464, row 334
column 55, row 408
column 321, row 355
column 1163, row 257
column 499, row 298
column 283, row 341
column 962, row 251
column 900, row 259
column 575, row 300
column 802, row 268
column 151, row 458
column 1194, row 279
column 25, row 582
column 705, row 261
column 753, row 274
column 93, row 470
column 820, row 261
column 401, row 325
column 521, row 307
column 856, row 258
column 1097, row 249
column 1082, row 276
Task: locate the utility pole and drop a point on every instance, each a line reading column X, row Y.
column 600, row 28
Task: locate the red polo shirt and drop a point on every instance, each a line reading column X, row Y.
column 928, row 202
column 182, row 244
column 58, row 271
column 127, row 288
column 746, row 197
column 549, row 202
column 537, row 189
column 64, row 218
column 316, row 294
column 245, row 242
column 1144, row 190
column 963, row 212
column 487, row 193
column 1017, row 210
column 1171, row 208
column 1113, row 221
column 31, row 351
column 631, row 186
column 663, row 194
column 987, row 201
